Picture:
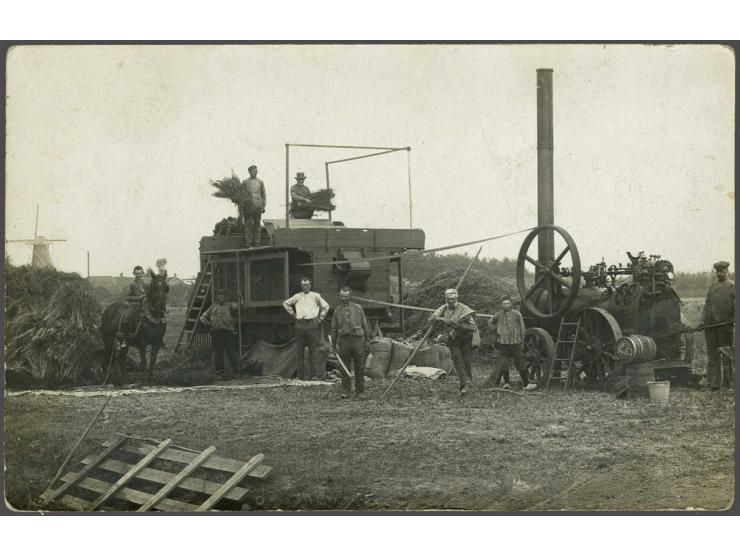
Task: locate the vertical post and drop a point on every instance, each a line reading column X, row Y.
column 400, row 297
column 545, row 199
column 408, row 163
column 328, row 187
column 88, row 264
column 287, row 185
column 239, row 300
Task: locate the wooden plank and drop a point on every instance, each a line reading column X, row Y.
column 133, row 495
column 177, row 480
column 351, row 238
column 183, row 457
column 143, row 463
column 74, row 503
column 231, row 483
column 158, row 476
column 111, row 445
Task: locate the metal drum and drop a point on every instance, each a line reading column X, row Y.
column 636, row 348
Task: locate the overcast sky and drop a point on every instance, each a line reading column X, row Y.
column 118, row 144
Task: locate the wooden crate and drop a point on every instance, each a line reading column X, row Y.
column 130, row 473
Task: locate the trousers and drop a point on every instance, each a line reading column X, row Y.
column 352, row 351
column 515, row 353
column 252, row 227
column 462, row 355
column 307, row 336
column 223, row 341
column 716, row 338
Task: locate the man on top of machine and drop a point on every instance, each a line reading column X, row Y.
column 300, row 206
column 251, row 211
column 718, row 321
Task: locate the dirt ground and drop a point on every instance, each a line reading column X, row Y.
column 421, row 448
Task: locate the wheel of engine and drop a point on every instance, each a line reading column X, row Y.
column 539, row 350
column 551, row 294
column 596, row 346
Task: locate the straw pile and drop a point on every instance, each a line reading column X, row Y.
column 56, row 341
column 232, row 188
column 480, row 292
column 321, row 200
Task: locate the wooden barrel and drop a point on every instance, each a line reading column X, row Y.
column 636, row 348
column 380, row 349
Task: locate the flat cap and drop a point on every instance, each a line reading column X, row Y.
column 721, row 265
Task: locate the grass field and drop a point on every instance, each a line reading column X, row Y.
column 421, row 448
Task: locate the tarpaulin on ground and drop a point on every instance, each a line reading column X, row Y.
column 279, row 359
column 425, row 372
column 275, row 359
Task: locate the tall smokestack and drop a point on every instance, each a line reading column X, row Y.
column 545, row 200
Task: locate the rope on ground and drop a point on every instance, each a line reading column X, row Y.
column 77, row 445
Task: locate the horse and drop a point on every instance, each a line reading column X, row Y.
column 118, row 326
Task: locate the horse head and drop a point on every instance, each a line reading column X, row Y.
column 157, row 293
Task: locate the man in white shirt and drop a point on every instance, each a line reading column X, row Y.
column 309, row 310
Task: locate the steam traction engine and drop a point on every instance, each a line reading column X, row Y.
column 609, row 302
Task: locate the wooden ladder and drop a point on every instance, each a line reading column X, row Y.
column 196, row 307
column 567, row 339
column 198, row 301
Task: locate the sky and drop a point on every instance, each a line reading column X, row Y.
column 117, row 144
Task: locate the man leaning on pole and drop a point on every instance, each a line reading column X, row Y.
column 351, row 334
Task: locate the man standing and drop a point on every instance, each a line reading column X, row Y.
column 223, row 330
column 350, row 333
column 509, row 328
column 254, row 207
column 300, row 206
column 458, row 321
column 719, row 307
column 309, row 310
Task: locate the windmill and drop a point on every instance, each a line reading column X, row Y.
column 41, row 253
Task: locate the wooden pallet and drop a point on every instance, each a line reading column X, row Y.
column 131, row 473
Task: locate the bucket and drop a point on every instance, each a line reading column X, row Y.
column 659, row 390
column 636, row 348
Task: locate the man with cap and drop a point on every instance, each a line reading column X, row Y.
column 223, row 334
column 135, row 295
column 253, row 208
column 458, row 322
column 718, row 319
column 508, row 327
column 300, row 202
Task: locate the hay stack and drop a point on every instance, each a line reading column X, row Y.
column 479, row 291
column 56, row 342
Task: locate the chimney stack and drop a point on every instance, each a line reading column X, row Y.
column 545, row 197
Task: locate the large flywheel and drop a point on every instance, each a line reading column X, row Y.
column 597, row 344
column 556, row 281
